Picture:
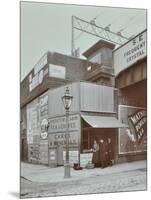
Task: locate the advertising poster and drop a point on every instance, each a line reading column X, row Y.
column 132, row 139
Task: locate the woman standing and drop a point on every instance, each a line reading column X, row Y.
column 95, row 150
column 103, row 153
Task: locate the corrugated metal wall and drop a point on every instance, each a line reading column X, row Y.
column 55, row 104
column 96, row 98
column 86, row 97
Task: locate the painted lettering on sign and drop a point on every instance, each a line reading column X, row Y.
column 37, row 79
column 40, row 64
column 59, row 124
column 57, row 71
column 130, row 53
column 134, row 137
column 139, row 121
column 61, row 139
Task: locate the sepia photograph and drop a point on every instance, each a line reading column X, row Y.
column 83, row 99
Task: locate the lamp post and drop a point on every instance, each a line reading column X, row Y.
column 67, row 100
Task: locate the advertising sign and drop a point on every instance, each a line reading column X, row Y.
column 59, row 139
column 139, row 122
column 58, row 124
column 57, row 131
column 33, row 122
column 57, row 71
column 40, row 64
column 134, row 138
column 37, row 118
column 130, row 53
column 36, row 80
column 43, row 109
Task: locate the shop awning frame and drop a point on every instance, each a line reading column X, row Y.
column 103, row 121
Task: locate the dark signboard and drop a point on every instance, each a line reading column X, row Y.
column 139, row 122
column 132, row 139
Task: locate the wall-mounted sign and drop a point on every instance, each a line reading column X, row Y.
column 40, row 64
column 57, row 131
column 57, row 71
column 134, row 138
column 33, row 123
column 139, row 121
column 43, row 103
column 58, row 124
column 57, row 139
column 130, row 53
column 44, row 135
column 44, row 128
column 36, row 80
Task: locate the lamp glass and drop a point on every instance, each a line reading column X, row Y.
column 67, row 99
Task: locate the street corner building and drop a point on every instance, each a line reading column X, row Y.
column 106, row 88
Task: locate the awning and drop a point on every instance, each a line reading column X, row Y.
column 103, row 122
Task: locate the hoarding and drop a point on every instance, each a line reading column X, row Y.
column 134, row 138
column 37, row 118
column 33, row 122
column 131, row 52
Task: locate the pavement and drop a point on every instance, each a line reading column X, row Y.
column 45, row 174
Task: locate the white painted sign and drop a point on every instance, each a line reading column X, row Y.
column 36, row 80
column 130, row 53
column 40, row 64
column 57, row 71
column 73, row 156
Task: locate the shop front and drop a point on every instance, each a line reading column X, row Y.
column 83, row 130
column 97, row 128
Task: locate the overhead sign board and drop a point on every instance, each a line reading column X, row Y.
column 131, row 52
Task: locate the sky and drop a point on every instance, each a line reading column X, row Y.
column 47, row 27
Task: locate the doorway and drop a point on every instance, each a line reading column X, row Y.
column 91, row 134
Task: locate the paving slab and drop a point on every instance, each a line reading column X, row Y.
column 46, row 174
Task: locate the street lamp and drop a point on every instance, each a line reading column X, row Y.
column 67, row 100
